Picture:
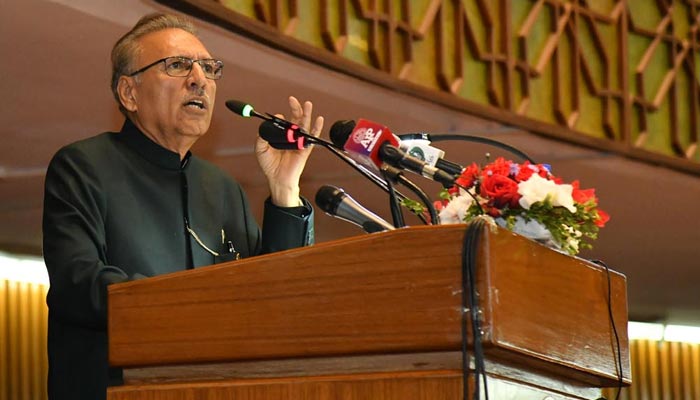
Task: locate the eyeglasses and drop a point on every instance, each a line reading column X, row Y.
column 182, row 67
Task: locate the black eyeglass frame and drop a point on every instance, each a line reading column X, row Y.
column 189, row 70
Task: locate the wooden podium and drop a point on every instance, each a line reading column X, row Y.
column 371, row 317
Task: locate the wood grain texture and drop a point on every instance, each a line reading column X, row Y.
column 430, row 385
column 386, row 293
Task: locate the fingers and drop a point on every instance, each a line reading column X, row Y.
column 301, row 114
column 308, row 110
column 318, row 127
column 297, row 110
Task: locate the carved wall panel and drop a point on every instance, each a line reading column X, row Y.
column 620, row 75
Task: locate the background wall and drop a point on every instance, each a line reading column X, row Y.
column 55, row 91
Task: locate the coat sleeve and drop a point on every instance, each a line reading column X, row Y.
column 287, row 228
column 74, row 243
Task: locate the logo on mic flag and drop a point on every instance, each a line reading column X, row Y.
column 365, row 140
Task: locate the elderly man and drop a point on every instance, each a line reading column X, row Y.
column 136, row 203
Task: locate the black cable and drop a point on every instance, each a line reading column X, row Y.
column 620, row 381
column 381, row 183
column 470, row 304
column 384, row 184
column 465, row 309
column 478, row 228
column 478, row 139
column 394, row 205
column 434, row 218
column 473, row 196
column 396, row 176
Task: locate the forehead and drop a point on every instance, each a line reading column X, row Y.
column 171, row 42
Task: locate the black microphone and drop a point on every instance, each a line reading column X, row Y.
column 243, row 109
column 372, row 144
column 415, row 144
column 335, row 202
column 418, row 145
column 279, row 133
column 281, row 138
column 423, row 137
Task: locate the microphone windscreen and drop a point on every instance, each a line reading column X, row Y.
column 340, row 132
column 276, row 136
column 328, row 197
column 239, row 107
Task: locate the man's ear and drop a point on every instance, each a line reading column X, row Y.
column 127, row 91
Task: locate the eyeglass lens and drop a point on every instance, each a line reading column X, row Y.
column 180, row 66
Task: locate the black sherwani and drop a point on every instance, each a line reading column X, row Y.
column 117, row 207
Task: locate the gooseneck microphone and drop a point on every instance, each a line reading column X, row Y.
column 441, row 137
column 335, row 202
column 372, row 144
column 419, row 146
column 414, row 144
column 244, row 109
column 279, row 133
column 274, row 132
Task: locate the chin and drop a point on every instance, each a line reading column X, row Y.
column 196, row 129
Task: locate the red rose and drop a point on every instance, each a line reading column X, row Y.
column 468, row 176
column 493, row 211
column 499, row 167
column 527, row 169
column 439, row 205
column 501, row 191
column 603, row 218
column 581, row 196
column 525, row 172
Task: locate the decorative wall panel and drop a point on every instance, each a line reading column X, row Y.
column 620, row 75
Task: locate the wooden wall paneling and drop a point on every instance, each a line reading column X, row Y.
column 610, row 75
column 4, row 340
column 666, row 370
column 23, row 360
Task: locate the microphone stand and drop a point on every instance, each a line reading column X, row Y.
column 396, row 176
column 381, row 183
column 394, row 205
column 246, row 110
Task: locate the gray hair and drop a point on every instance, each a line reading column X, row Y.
column 126, row 48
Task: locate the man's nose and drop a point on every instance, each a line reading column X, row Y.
column 196, row 78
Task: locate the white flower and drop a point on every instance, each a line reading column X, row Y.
column 455, row 211
column 538, row 188
column 573, row 232
column 573, row 244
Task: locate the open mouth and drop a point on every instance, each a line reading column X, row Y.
column 198, row 104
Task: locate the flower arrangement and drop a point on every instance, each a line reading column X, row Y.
column 527, row 199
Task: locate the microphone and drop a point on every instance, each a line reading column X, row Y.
column 372, row 144
column 432, row 137
column 415, row 144
column 271, row 131
column 418, row 145
column 335, row 202
column 279, row 133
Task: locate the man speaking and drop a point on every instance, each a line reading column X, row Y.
column 136, row 203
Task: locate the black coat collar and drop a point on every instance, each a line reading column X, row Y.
column 150, row 150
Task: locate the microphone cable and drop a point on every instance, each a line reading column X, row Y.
column 394, row 204
column 381, row 183
column 618, row 364
column 246, row 110
column 470, row 312
column 396, row 175
column 440, row 137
